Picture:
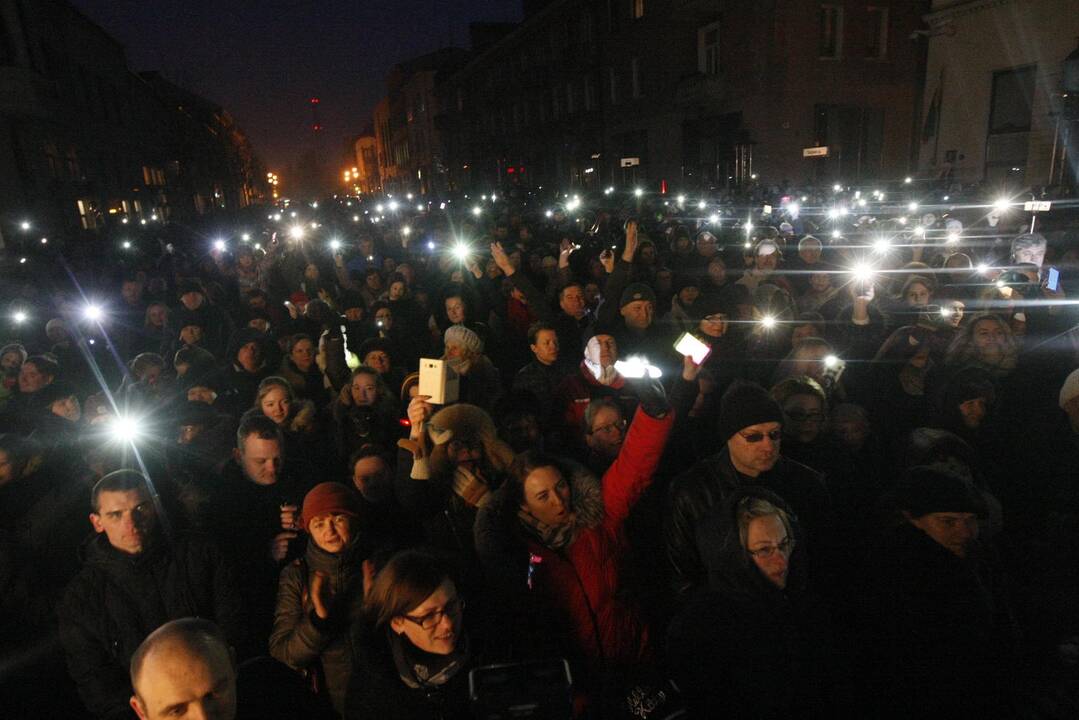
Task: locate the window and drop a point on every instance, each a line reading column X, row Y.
column 614, row 86
column 878, row 33
column 87, row 214
column 708, row 49
column 635, row 77
column 589, row 93
column 1013, row 97
column 636, row 9
column 570, row 109
column 831, row 32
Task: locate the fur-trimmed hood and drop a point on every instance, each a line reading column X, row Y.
column 466, row 422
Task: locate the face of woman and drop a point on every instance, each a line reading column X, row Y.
column 311, row 272
column 332, row 533
column 770, row 547
column 275, row 405
column 378, row 360
column 714, row 325
column 717, row 272
column 688, row 295
column 303, row 355
column 820, row 282
column 191, row 335
column 435, row 624
column 547, row 496
column 10, row 361
column 397, row 290
column 364, row 389
column 989, row 341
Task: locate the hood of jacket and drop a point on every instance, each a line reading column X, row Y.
column 730, row 567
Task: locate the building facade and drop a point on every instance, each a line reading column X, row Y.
column 994, row 107
column 366, row 177
column 84, row 141
column 690, row 93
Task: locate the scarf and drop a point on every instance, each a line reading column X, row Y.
column 470, row 487
column 419, row 669
column 605, row 376
column 461, row 365
column 586, row 499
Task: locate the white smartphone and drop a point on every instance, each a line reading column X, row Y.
column 438, row 381
column 691, row 346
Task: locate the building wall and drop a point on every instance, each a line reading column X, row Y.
column 511, row 107
column 971, row 42
column 76, row 126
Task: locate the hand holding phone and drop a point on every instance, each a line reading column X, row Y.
column 693, row 347
column 1052, row 279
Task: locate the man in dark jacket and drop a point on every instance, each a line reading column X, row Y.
column 939, row 637
column 750, row 421
column 247, row 358
column 542, row 376
column 134, row 579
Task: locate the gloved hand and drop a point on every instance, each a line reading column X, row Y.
column 652, row 396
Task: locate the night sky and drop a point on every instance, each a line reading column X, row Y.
column 263, row 59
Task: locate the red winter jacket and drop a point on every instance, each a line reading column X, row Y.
column 583, row 581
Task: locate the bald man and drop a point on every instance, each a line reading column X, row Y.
column 184, row 669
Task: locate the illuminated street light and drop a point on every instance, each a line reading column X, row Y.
column 419, row 208
column 430, row 244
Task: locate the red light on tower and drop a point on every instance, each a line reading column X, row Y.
column 314, row 101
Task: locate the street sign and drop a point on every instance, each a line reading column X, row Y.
column 630, row 161
column 815, row 152
column 1037, row 206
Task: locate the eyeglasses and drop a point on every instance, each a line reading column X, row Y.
column 803, row 416
column 610, row 428
column 756, row 437
column 769, row 551
column 430, row 621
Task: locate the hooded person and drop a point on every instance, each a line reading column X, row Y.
column 447, row 470
column 750, row 424
column 757, row 618
column 248, row 364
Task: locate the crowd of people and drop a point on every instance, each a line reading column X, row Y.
column 849, row 490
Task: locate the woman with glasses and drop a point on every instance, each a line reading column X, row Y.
column 413, row 651
column 755, row 641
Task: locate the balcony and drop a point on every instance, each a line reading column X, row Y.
column 698, row 89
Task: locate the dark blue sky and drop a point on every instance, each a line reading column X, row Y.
column 263, row 59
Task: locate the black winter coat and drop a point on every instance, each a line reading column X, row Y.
column 711, row 482
column 116, row 600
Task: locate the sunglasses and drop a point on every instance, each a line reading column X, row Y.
column 756, row 437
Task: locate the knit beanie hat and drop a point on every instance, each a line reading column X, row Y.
column 745, row 404
column 925, row 490
column 637, row 291
column 328, row 498
column 463, row 337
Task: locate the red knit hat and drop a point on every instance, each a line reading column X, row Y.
column 328, row 498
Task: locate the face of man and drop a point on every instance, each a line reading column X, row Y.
column 638, row 314
column 810, row 252
column 191, row 334
column 1034, row 255
column 249, row 356
column 755, row 449
column 192, row 300
column 917, row 295
column 956, row 531
column 434, row 625
column 371, row 477
column 455, row 310
column 546, row 347
column 973, row 412
column 260, row 459
column 804, row 415
column 767, row 262
column 607, row 432
column 131, row 291
column 31, row 379
column 572, row 302
column 177, row 682
column 126, row 517
column 67, row 408
column 601, row 350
